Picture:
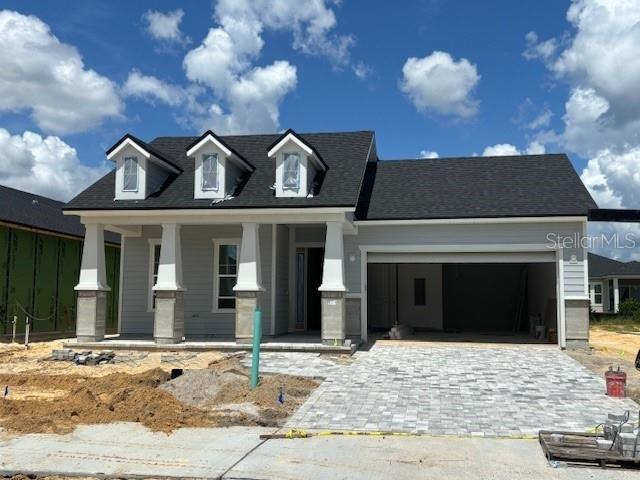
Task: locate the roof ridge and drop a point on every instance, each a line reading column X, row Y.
column 471, row 157
column 23, row 192
column 184, row 137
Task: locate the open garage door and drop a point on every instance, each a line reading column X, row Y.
column 501, row 293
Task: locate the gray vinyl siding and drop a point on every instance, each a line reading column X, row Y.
column 466, row 234
column 310, row 234
column 282, row 280
column 136, row 320
column 197, row 267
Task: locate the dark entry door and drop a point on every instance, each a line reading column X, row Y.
column 315, row 259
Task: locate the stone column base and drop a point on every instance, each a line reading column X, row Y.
column 91, row 315
column 168, row 324
column 333, row 318
column 246, row 304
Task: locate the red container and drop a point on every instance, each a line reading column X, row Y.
column 616, row 383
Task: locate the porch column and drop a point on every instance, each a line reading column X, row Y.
column 616, row 296
column 333, row 289
column 169, row 316
column 92, row 288
column 249, row 285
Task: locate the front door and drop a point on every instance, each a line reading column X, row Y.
column 315, row 260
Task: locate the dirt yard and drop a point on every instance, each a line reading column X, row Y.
column 612, row 349
column 54, row 396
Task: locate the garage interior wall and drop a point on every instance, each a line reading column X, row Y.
column 503, row 297
column 38, row 273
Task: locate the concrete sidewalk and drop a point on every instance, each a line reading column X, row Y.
column 128, row 450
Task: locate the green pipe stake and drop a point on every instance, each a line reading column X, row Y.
column 255, row 357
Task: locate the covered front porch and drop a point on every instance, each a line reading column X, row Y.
column 195, row 281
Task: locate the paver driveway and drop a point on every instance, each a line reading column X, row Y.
column 452, row 389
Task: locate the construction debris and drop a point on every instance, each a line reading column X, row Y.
column 83, row 358
column 619, row 443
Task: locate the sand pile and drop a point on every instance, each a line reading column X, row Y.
column 214, row 396
column 112, row 398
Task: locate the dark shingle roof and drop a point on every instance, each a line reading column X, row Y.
column 345, row 153
column 600, row 266
column 473, row 187
column 35, row 211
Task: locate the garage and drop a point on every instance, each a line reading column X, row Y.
column 506, row 294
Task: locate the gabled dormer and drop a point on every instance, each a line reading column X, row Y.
column 296, row 165
column 218, row 168
column 140, row 169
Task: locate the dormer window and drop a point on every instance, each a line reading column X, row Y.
column 218, row 168
column 209, row 171
column 291, row 171
column 297, row 164
column 141, row 170
column 130, row 175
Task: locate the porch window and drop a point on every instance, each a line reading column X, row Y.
column 130, row 175
column 226, row 274
column 291, row 171
column 154, row 263
column 595, row 292
column 210, row 171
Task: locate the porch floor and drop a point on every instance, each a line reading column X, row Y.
column 291, row 342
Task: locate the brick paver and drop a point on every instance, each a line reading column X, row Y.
column 450, row 389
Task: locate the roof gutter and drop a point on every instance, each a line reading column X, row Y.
column 478, row 220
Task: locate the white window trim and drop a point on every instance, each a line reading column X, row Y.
column 216, row 263
column 152, row 244
column 284, row 159
column 124, row 174
column 592, row 294
column 216, row 162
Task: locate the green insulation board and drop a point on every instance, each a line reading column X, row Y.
column 45, row 284
column 4, row 271
column 68, row 276
column 21, row 275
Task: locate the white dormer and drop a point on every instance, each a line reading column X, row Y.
column 297, row 164
column 217, row 167
column 140, row 171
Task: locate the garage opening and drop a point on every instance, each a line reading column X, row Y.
column 470, row 301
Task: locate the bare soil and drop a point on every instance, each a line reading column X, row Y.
column 47, row 396
column 612, row 349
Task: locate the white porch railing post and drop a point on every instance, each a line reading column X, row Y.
column 333, row 286
column 169, row 304
column 92, row 288
column 249, row 283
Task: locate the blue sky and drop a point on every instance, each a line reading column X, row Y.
column 430, row 77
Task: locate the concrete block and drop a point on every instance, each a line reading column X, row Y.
column 91, row 316
column 169, row 317
column 333, row 318
column 577, row 321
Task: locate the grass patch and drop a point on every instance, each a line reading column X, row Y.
column 617, row 323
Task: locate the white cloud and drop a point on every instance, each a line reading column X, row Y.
column 438, row 83
column 312, row 24
column 152, row 89
column 254, row 101
column 504, row 149
column 537, row 50
column 541, row 120
column 361, row 70
column 600, row 62
column 46, row 166
column 165, row 27
column 429, row 154
column 48, row 78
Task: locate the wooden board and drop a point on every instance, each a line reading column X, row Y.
column 580, row 448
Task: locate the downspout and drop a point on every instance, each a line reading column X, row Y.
column 561, row 302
